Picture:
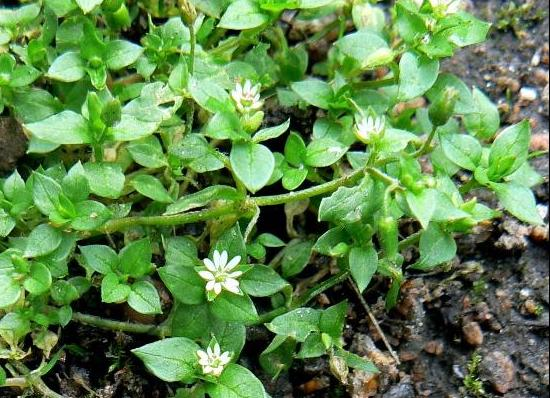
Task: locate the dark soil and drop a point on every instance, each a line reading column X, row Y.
column 493, row 303
column 13, row 143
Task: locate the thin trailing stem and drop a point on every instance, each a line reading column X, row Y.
column 129, row 327
column 374, row 321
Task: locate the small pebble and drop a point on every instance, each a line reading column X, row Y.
column 499, row 370
column 434, row 347
column 473, row 334
column 528, row 94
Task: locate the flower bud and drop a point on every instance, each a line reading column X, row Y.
column 380, row 57
column 339, row 368
column 442, row 109
column 188, row 11
column 252, row 122
column 365, row 15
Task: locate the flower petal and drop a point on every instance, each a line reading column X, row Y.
column 207, row 275
column 223, row 260
column 209, row 265
column 232, row 286
column 233, row 263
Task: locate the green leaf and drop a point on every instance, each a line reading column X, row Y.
column 135, row 258
column 180, row 251
column 362, row 50
column 23, row 76
column 46, row 192
column 363, row 263
column 144, row 298
column 307, row 4
column 172, row 359
column 463, row 150
column 11, row 291
column 509, row 151
column 315, row 92
column 485, row 122
column 237, row 382
column 271, row 132
column 242, row 15
column 278, row 356
column 65, row 128
column 518, row 201
column 232, row 241
column 296, row 258
column 75, row 184
column 262, row 281
column 295, row 149
column 88, row 5
column 422, row 205
column 333, row 320
column 436, row 247
column 417, row 75
column 210, row 95
column 68, row 67
column 202, row 198
column 147, row 152
column 39, row 279
column 293, row 178
column 42, row 240
column 324, row 152
column 270, row 240
column 184, row 283
column 298, row 324
column 409, row 23
column 356, row 362
column 253, row 164
column 99, row 258
column 233, row 308
column 112, row 291
column 152, row 188
column 7, row 224
column 121, row 53
column 313, row 347
column 90, row 215
column 105, row 179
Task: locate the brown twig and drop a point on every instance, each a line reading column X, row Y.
column 374, row 322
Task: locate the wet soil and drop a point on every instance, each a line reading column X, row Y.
column 493, row 303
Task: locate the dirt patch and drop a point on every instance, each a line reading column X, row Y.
column 13, row 143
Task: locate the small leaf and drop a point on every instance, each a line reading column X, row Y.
column 152, row 188
column 121, row 53
column 324, row 152
column 417, row 75
column 436, row 247
column 202, row 198
column 99, row 258
column 296, row 258
column 135, row 258
column 363, row 263
column 147, row 152
column 253, row 164
column 184, row 283
column 485, row 122
column 298, row 324
column 463, row 150
column 262, row 281
column 315, row 92
column 88, row 5
column 172, row 359
column 39, row 279
column 65, row 128
column 237, row 382
column 422, row 205
column 68, row 67
column 144, row 298
column 112, row 291
column 509, row 151
column 271, row 132
column 105, row 179
column 42, row 240
column 242, row 15
column 11, row 291
column 518, row 201
column 233, row 308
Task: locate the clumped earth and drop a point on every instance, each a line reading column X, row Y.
column 477, row 329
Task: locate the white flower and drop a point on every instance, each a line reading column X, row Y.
column 213, row 361
column 446, row 7
column 219, row 276
column 247, row 97
column 370, row 127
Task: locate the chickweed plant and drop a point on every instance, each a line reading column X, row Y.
column 156, row 164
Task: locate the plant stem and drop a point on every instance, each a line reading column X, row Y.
column 138, row 328
column 171, row 220
column 310, row 192
column 245, row 207
column 306, row 298
column 426, row 147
